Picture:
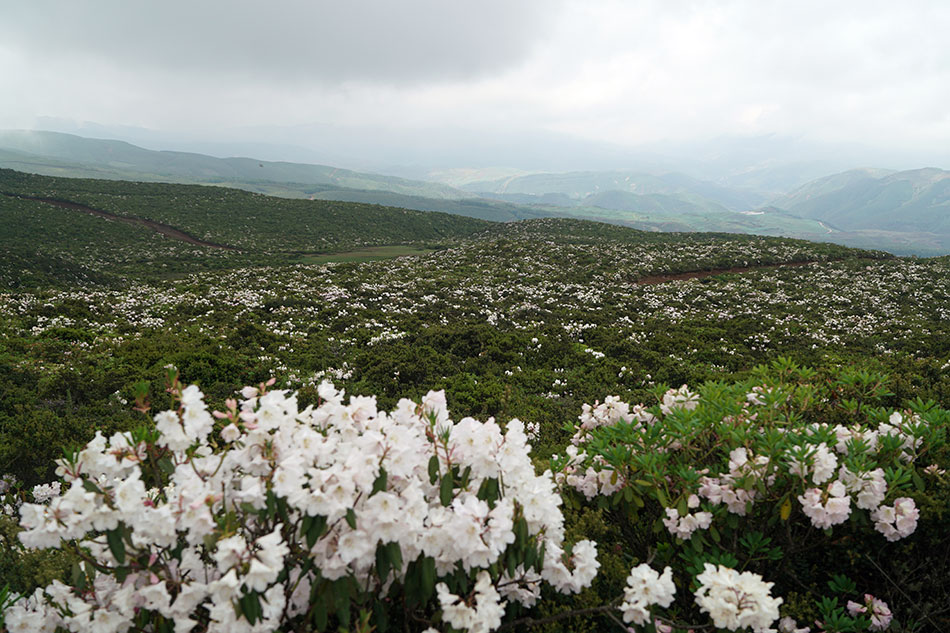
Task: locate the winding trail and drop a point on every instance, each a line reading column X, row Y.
column 158, row 227
column 699, row 274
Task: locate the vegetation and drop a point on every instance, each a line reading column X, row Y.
column 50, row 244
column 531, row 320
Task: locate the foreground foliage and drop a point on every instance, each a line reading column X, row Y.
column 263, row 516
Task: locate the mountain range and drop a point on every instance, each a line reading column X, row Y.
column 904, row 212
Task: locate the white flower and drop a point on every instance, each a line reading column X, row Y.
column 485, row 616
column 735, row 601
column 789, row 625
column 897, row 521
column 826, row 508
column 645, row 587
column 684, row 526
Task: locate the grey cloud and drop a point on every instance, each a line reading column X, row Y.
column 343, row 40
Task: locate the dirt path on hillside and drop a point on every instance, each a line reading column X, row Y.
column 699, row 274
column 158, row 227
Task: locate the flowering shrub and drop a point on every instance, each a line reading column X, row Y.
column 265, row 516
column 753, row 475
column 279, row 518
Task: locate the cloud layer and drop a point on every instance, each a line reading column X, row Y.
column 868, row 71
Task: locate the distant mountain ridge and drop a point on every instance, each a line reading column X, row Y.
column 866, row 199
column 52, row 153
column 581, row 184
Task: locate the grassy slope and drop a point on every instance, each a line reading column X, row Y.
column 74, row 247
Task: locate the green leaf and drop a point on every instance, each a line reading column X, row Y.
column 90, row 486
column 351, row 518
column 488, row 491
column 320, row 613
column 380, row 617
column 78, row 578
column 918, row 482
column 166, row 465
column 315, row 531
column 540, row 562
column 382, row 562
column 428, row 577
column 380, row 483
column 116, row 544
column 682, row 508
column 394, row 552
column 433, row 469
column 446, row 488
column 343, row 612
column 271, row 503
column 245, row 608
column 530, row 556
column 282, row 511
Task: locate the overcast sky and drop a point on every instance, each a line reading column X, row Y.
column 626, row 73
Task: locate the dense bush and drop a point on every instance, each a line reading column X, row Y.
column 791, row 494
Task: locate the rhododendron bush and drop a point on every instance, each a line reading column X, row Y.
column 285, row 518
column 266, row 516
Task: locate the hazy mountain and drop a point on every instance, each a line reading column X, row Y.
column 867, row 199
column 493, row 210
column 650, row 203
column 57, row 154
column 581, row 184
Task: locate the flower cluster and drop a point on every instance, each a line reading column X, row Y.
column 736, row 600
column 737, row 488
column 826, row 507
column 898, row 520
column 829, row 469
column 684, row 526
column 681, row 398
column 878, row 610
column 589, row 481
column 645, row 587
column 242, row 528
column 483, row 617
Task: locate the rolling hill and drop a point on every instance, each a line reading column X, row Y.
column 75, row 231
column 56, row 154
